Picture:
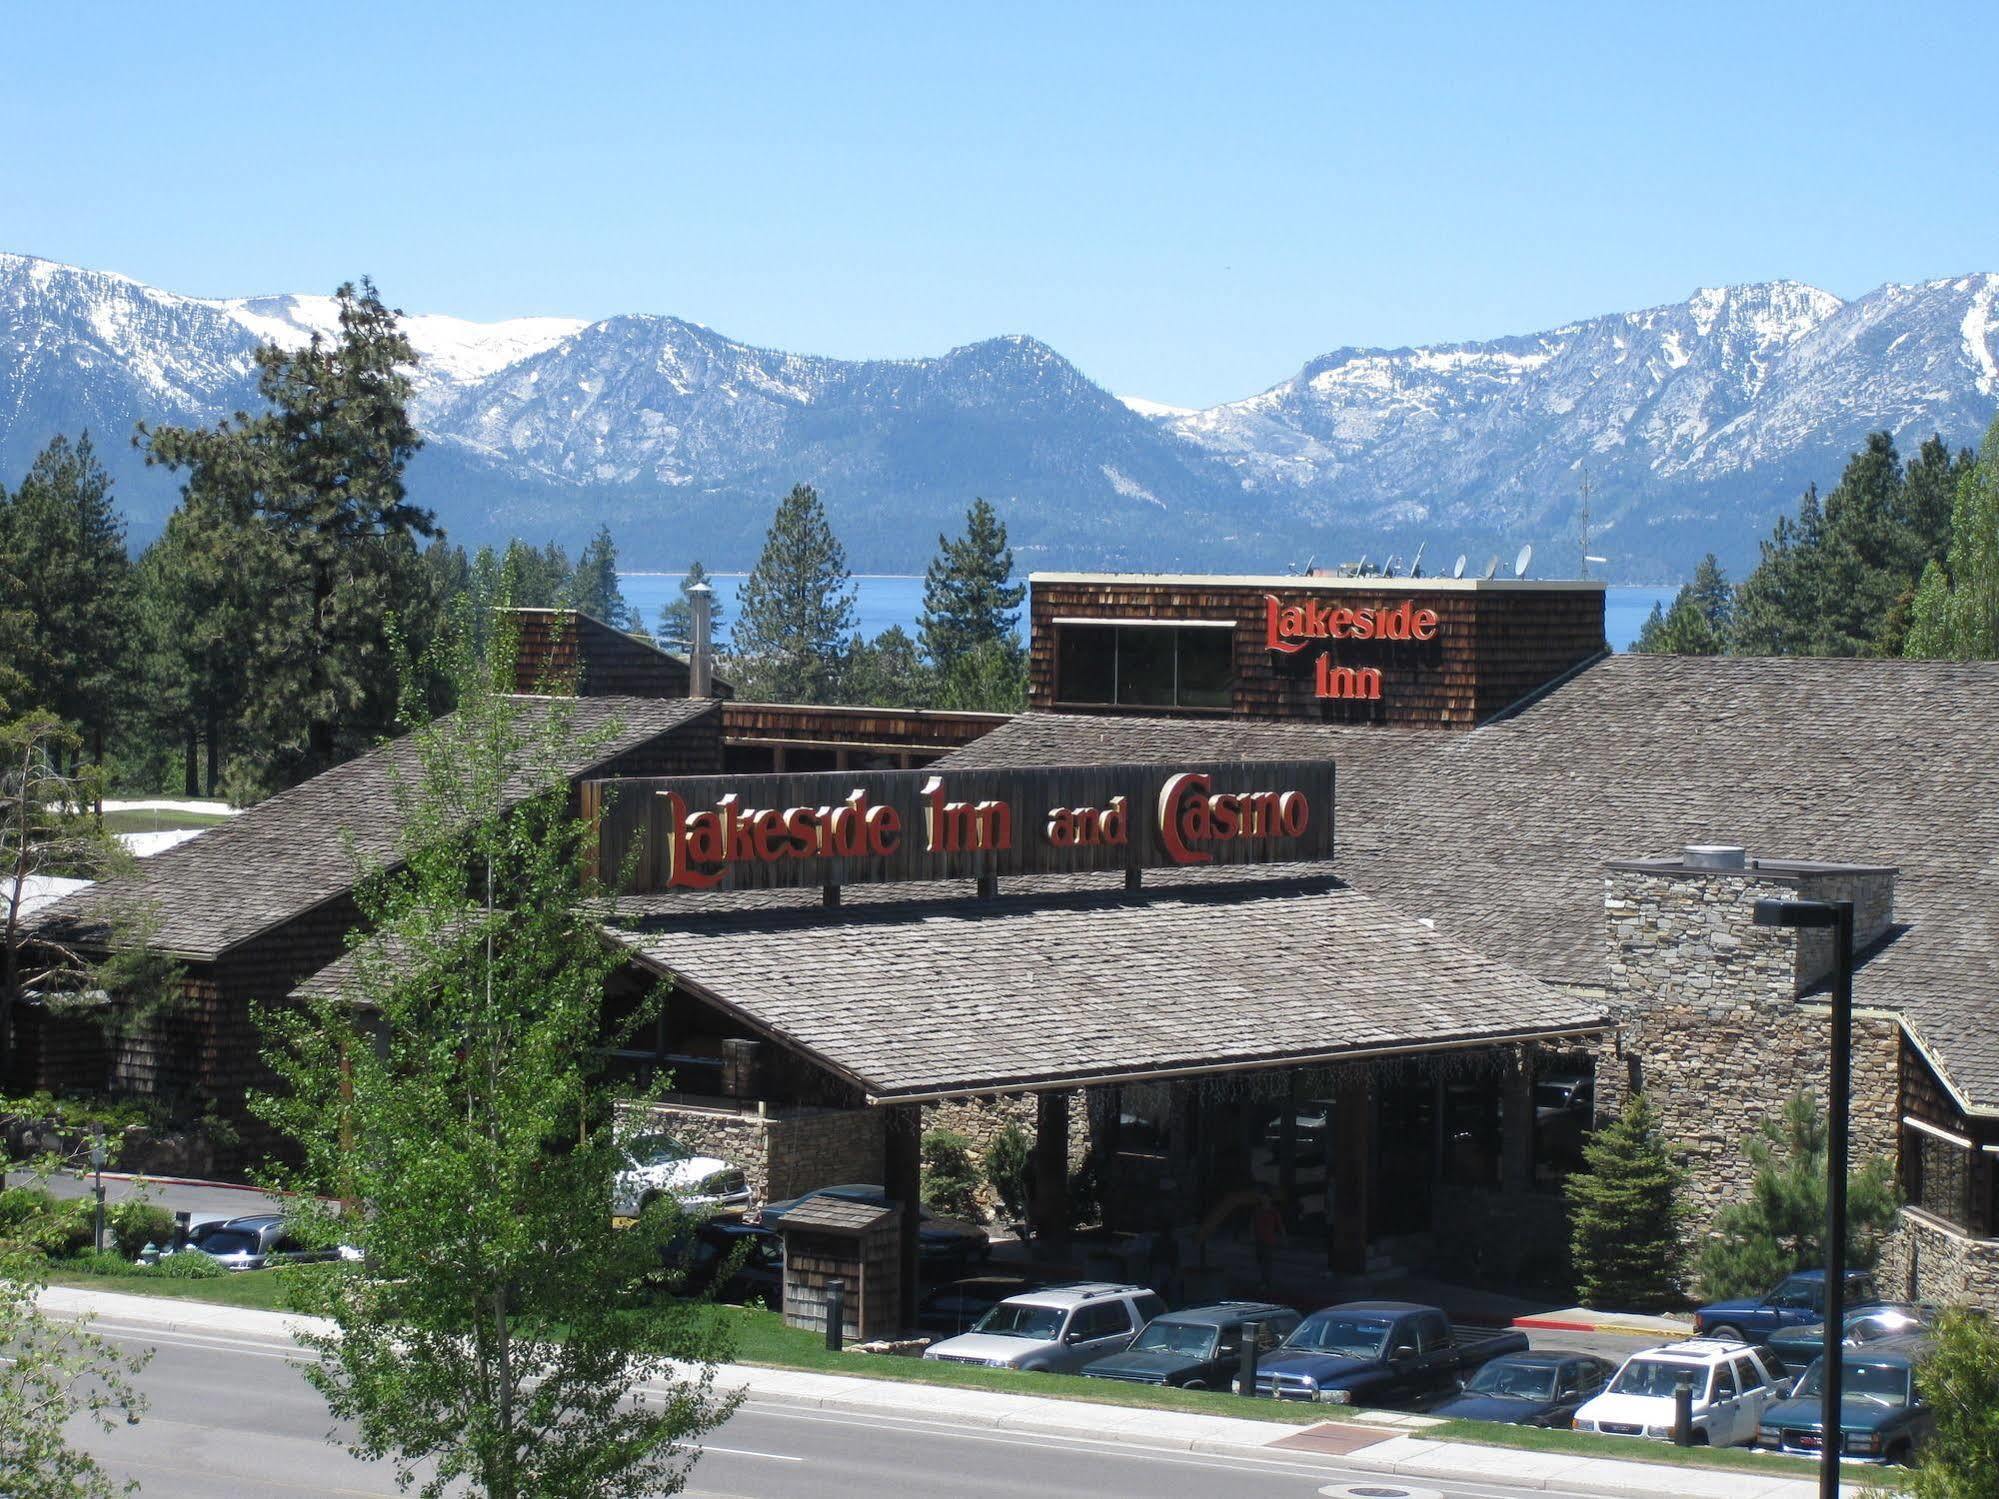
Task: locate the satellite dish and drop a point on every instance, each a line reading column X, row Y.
column 1458, row 567
column 1388, row 567
column 1491, row 567
column 1416, row 562
column 1520, row 563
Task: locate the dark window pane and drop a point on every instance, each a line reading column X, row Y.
column 1085, row 663
column 1207, row 668
column 1145, row 666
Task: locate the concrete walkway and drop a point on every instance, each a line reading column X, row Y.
column 1387, row 1444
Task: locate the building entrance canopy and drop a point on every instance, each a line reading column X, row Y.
column 914, row 993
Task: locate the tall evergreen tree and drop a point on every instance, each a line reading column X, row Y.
column 1777, row 605
column 66, row 545
column 797, row 609
column 886, row 672
column 322, row 470
column 1625, row 1215
column 969, row 596
column 533, row 577
column 1861, row 563
column 593, row 587
column 1956, row 611
column 1698, row 623
column 676, row 618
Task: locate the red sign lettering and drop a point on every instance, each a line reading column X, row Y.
column 1190, row 815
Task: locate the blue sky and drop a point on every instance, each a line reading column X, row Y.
column 1189, row 201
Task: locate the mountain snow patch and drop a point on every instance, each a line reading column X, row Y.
column 1130, row 488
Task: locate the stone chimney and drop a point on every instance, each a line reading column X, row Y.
column 1720, row 1020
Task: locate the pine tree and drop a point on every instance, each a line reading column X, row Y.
column 969, row 596
column 1860, row 564
column 67, row 547
column 322, row 470
column 676, row 619
column 797, row 609
column 1777, row 605
column 886, row 672
column 1956, row 611
column 1780, row 1227
column 533, row 578
column 1698, row 624
column 1625, row 1215
column 1711, row 594
column 593, row 587
column 989, row 678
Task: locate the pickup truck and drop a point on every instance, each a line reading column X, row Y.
column 1376, row 1353
column 1797, row 1299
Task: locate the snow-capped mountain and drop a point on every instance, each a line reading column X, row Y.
column 1696, row 422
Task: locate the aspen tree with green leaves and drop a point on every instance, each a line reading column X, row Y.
column 503, row 1327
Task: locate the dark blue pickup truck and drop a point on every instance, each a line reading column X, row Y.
column 1795, row 1300
column 1376, row 1353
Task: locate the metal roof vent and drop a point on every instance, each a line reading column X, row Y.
column 1722, row 856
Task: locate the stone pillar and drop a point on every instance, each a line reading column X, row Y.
column 902, row 1179
column 1051, row 1169
column 1352, row 1176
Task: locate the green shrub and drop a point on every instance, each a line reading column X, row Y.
column 950, row 1180
column 1010, row 1170
column 100, row 1262
column 189, row 1264
column 39, row 1220
column 1960, row 1379
column 136, row 1224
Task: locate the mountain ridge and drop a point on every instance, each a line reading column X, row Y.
column 1696, row 422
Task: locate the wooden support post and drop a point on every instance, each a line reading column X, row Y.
column 902, row 1179
column 1051, row 1169
column 1352, row 1173
column 1516, row 1124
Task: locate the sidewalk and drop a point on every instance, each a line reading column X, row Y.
column 1388, row 1444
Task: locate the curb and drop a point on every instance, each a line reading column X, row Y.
column 1626, row 1329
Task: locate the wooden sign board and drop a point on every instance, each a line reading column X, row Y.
column 844, row 828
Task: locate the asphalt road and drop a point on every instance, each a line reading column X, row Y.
column 213, row 1200
column 233, row 1415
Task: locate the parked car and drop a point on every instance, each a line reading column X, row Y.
column 938, row 1240
column 1732, row 1386
column 1199, row 1348
column 753, row 1258
column 1795, row 1300
column 1376, row 1353
column 1883, row 1417
column 1058, row 1330
column 257, row 1241
column 957, row 1305
column 1796, row 1347
column 1542, row 1387
column 658, row 1166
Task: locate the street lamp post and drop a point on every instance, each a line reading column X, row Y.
column 1836, row 915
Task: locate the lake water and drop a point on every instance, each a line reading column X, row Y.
column 883, row 600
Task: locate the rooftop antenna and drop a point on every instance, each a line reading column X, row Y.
column 1458, row 567
column 1584, row 490
column 1520, row 563
column 1306, row 570
column 1416, row 562
column 1491, row 568
column 1388, row 566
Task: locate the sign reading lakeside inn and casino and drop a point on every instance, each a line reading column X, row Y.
column 855, row 827
column 1290, row 628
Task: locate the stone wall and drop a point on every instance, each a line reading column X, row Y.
column 980, row 1120
column 1707, row 1020
column 1927, row 1260
column 782, row 1152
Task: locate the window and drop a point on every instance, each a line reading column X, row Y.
column 1943, row 1179
column 1747, row 1374
column 1724, row 1383
column 1432, row 1333
column 1145, row 666
column 1150, row 1306
column 1102, row 1319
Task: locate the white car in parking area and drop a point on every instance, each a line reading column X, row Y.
column 659, row 1166
column 1732, row 1387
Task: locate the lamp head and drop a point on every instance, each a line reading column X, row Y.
column 1795, row 913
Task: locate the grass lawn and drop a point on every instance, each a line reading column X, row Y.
column 139, row 820
column 1643, row 1450
column 260, row 1289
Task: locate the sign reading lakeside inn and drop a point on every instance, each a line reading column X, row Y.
column 1289, row 628
column 855, row 827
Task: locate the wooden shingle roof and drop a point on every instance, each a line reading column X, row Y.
column 1501, row 834
column 284, row 856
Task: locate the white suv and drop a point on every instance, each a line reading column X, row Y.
column 1059, row 1329
column 1732, row 1385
